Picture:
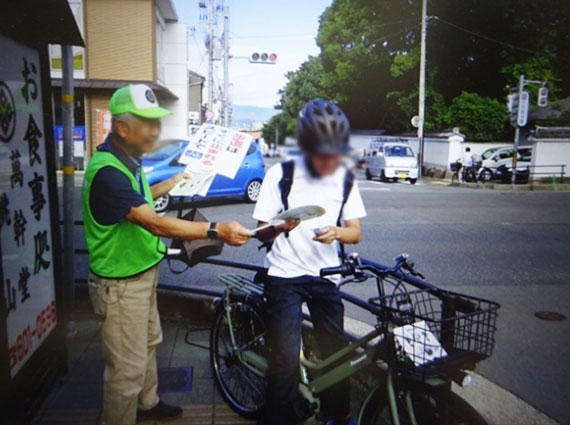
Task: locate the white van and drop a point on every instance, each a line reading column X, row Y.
column 503, row 156
column 391, row 161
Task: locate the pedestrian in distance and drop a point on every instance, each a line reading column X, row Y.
column 296, row 254
column 122, row 233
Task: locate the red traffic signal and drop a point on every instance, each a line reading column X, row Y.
column 263, row 58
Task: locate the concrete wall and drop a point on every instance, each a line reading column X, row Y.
column 548, row 155
column 174, row 65
column 120, row 39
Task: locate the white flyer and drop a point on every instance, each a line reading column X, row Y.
column 419, row 343
column 198, row 184
column 216, row 149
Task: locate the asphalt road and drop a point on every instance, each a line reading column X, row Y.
column 512, row 247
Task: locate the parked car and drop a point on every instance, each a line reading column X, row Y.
column 392, row 161
column 503, row 156
column 163, row 164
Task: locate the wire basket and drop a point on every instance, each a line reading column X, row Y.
column 455, row 166
column 436, row 333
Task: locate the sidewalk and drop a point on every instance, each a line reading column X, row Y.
column 184, row 374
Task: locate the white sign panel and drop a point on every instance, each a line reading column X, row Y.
column 523, row 104
column 25, row 232
column 211, row 150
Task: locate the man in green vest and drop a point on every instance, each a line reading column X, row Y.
column 123, row 233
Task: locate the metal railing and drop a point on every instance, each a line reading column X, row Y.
column 558, row 174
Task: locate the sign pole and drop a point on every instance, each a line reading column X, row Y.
column 67, row 105
column 517, row 132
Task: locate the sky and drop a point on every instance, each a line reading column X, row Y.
column 287, row 28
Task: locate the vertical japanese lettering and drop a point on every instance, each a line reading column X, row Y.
column 41, row 246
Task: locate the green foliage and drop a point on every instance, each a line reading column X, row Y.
column 281, row 126
column 479, row 118
column 369, row 62
column 302, row 85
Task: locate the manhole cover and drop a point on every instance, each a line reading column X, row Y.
column 175, row 380
column 550, row 316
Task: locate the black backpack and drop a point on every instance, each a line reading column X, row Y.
column 286, row 183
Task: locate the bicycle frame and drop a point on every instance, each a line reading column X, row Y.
column 356, row 356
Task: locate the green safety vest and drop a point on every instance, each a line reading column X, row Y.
column 122, row 249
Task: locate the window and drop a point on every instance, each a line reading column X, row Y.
column 252, row 149
column 166, row 151
column 402, row 151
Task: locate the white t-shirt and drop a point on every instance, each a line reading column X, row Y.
column 299, row 254
column 467, row 160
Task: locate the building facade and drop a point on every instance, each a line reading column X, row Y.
column 126, row 41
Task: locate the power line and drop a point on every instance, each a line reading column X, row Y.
column 484, row 37
column 385, row 24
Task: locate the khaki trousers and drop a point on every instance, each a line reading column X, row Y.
column 131, row 334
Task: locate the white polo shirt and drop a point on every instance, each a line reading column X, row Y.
column 299, row 254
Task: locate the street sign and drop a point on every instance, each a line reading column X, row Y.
column 416, row 121
column 522, row 113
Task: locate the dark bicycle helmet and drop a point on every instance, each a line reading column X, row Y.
column 323, row 128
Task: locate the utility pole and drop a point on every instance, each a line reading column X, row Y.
column 211, row 35
column 67, row 106
column 422, row 87
column 226, row 105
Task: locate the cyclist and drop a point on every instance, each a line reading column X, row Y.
column 467, row 163
column 298, row 251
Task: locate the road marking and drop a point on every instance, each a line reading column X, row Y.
column 374, row 189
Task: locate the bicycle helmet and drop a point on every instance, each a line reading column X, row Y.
column 323, row 128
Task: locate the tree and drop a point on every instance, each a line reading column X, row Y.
column 481, row 119
column 302, row 85
column 369, row 52
column 281, row 126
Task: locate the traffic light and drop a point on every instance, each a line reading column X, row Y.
column 542, row 96
column 263, row 58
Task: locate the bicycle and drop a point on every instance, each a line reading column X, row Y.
column 424, row 339
column 460, row 173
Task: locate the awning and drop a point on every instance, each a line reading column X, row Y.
column 40, row 22
column 162, row 92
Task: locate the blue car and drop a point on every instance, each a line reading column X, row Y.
column 163, row 164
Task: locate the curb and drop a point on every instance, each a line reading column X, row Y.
column 498, row 405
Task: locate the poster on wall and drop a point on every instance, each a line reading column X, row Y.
column 102, row 125
column 211, row 150
column 26, row 270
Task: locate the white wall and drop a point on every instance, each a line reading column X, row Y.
column 546, row 154
column 175, row 77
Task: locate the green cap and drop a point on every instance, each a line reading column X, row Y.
column 137, row 99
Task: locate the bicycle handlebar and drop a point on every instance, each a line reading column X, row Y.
column 349, row 269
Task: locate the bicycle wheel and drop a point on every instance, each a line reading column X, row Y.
column 241, row 388
column 427, row 407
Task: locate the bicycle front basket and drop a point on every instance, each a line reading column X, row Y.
column 435, row 333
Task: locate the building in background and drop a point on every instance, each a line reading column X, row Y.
column 127, row 41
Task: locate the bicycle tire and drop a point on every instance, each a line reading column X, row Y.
column 223, row 358
column 376, row 410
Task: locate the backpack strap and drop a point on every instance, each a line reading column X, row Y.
column 286, row 182
column 347, row 188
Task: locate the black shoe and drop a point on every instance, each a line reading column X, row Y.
column 160, row 412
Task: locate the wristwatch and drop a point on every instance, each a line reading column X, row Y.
column 212, row 232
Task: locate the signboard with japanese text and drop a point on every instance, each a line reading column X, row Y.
column 26, row 271
column 211, row 150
